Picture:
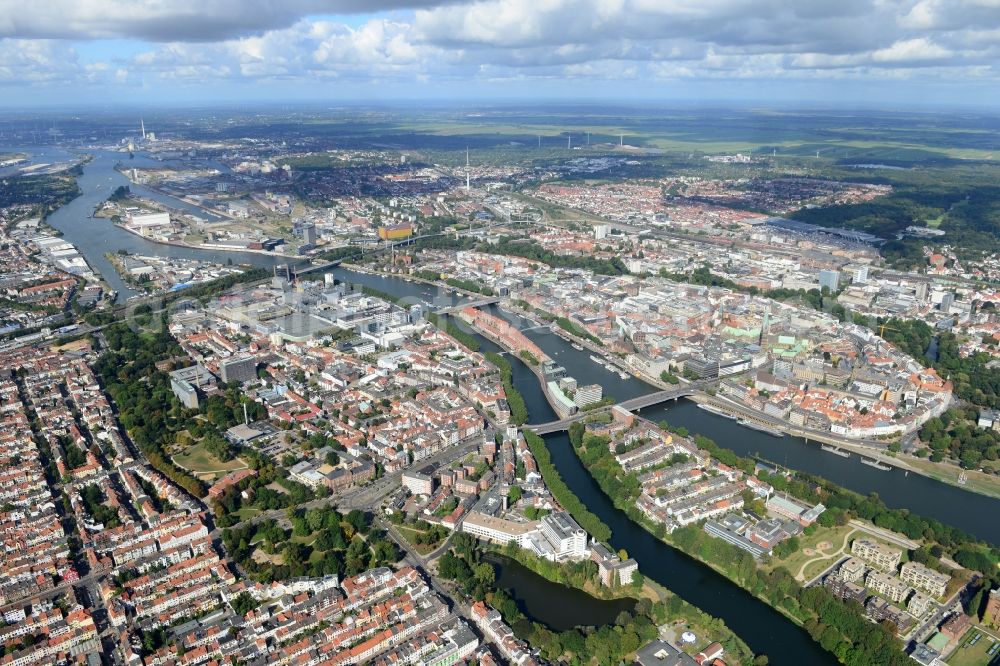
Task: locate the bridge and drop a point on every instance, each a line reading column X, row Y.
column 490, row 300
column 633, row 404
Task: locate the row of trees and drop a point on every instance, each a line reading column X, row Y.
column 853, row 639
column 561, row 492
column 518, row 408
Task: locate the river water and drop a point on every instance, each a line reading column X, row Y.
column 93, row 237
column 553, row 604
column 761, row 627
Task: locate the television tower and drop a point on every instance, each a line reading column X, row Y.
column 468, row 181
column 569, row 142
column 621, row 140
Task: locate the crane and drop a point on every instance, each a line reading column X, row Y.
column 881, row 335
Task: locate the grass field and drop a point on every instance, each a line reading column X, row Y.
column 200, row 462
column 987, row 484
column 975, row 655
column 810, row 559
column 409, row 533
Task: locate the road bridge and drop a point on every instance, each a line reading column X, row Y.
column 630, row 405
column 489, row 300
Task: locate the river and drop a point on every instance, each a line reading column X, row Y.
column 93, row 237
column 920, row 494
column 761, row 627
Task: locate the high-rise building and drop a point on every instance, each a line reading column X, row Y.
column 309, row 233
column 238, row 369
column 860, row 275
column 829, row 279
column 947, row 300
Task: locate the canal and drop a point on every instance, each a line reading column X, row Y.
column 555, row 605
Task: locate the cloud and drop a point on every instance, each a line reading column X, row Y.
column 303, row 42
column 912, row 51
column 32, row 62
column 170, row 20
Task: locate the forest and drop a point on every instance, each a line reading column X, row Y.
column 962, row 198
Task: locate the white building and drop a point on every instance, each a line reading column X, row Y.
column 148, row 220
column 498, row 530
column 567, row 538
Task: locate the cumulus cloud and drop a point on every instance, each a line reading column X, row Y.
column 205, row 41
column 170, row 20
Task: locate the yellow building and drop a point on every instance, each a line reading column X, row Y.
column 397, row 232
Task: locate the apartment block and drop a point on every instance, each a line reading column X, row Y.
column 887, row 585
column 876, row 554
column 924, row 578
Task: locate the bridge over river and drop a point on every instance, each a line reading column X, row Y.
column 633, row 404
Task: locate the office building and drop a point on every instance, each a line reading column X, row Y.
column 187, row 383
column 308, row 233
column 860, row 275
column 568, row 540
column 829, row 279
column 498, row 530
column 588, row 395
column 238, row 369
column 947, row 300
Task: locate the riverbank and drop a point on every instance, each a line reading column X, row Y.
column 774, row 587
column 978, row 483
column 203, row 246
column 677, row 613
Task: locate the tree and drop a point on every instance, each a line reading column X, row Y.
column 485, row 573
column 514, row 495
column 243, row 603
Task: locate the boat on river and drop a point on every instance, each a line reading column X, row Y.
column 834, row 450
column 718, row 412
column 760, row 428
column 577, row 347
column 597, row 359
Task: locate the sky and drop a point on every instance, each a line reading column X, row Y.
column 160, row 52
